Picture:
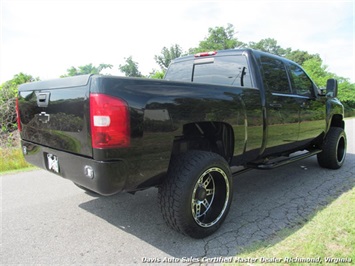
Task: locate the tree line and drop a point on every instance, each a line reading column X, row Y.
column 218, row 38
column 221, row 38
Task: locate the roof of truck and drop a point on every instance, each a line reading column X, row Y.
column 237, row 51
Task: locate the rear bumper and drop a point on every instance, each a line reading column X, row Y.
column 105, row 178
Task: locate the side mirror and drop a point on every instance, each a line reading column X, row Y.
column 332, row 88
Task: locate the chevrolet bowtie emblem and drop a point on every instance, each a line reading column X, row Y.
column 44, row 117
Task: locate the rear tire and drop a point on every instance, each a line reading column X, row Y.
column 334, row 149
column 195, row 197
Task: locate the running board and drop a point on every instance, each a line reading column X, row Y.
column 237, row 170
column 278, row 163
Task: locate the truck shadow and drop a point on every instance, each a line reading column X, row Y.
column 264, row 203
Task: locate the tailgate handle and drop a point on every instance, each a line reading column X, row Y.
column 43, row 99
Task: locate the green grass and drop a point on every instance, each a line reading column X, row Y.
column 329, row 234
column 12, row 159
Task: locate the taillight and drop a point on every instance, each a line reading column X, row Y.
column 205, row 54
column 18, row 116
column 109, row 118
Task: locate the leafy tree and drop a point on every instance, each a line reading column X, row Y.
column 219, row 38
column 269, row 45
column 319, row 73
column 130, row 68
column 156, row 74
column 87, row 69
column 346, row 91
column 300, row 57
column 167, row 55
column 8, row 93
column 8, row 90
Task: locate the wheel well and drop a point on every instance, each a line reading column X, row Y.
column 217, row 137
column 337, row 121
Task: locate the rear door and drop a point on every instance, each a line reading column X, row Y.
column 55, row 114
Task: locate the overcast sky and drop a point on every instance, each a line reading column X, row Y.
column 45, row 38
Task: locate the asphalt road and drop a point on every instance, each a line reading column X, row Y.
column 48, row 220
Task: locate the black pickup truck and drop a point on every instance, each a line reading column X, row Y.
column 215, row 115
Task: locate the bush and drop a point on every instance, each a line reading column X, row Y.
column 8, row 93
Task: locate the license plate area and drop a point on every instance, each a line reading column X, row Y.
column 52, row 162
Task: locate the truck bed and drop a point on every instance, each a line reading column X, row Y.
column 160, row 112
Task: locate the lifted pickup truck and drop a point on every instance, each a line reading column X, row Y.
column 215, row 115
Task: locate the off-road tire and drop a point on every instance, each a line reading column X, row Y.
column 196, row 196
column 334, row 149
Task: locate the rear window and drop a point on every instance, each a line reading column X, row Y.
column 224, row 70
column 180, row 71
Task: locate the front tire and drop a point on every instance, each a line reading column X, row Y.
column 334, row 149
column 195, row 197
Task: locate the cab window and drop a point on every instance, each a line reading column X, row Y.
column 301, row 83
column 274, row 75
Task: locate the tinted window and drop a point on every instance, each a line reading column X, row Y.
column 226, row 70
column 301, row 83
column 180, row 71
column 275, row 75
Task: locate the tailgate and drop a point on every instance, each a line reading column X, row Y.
column 55, row 113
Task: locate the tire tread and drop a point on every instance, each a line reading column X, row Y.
column 178, row 181
column 328, row 157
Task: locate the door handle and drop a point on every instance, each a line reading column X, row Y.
column 43, row 99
